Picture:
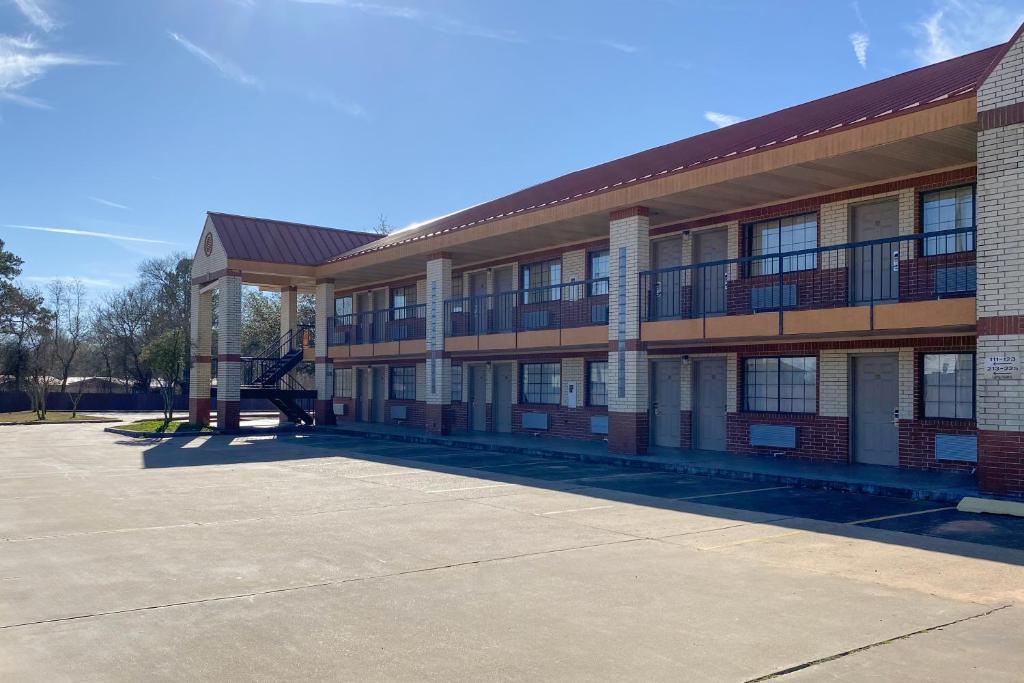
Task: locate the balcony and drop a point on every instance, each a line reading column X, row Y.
column 387, row 332
column 899, row 283
column 572, row 314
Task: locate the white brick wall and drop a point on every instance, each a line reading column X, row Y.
column 636, row 399
column 1000, row 403
column 203, row 265
column 229, row 337
column 1004, row 85
column 290, row 309
column 201, row 339
column 633, row 235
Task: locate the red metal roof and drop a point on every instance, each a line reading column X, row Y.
column 890, row 97
column 262, row 239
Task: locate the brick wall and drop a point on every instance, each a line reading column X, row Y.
column 825, row 439
column 572, row 423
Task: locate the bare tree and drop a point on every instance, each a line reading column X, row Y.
column 383, row 228
column 67, row 300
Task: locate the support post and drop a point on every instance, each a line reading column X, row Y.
column 439, row 368
column 629, row 255
column 200, row 352
column 999, row 392
column 324, row 410
column 229, row 343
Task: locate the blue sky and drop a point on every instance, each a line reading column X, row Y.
column 131, row 118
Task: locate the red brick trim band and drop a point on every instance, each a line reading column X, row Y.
column 1001, row 324
column 630, row 212
column 322, row 359
column 196, row 360
column 629, row 344
column 1001, row 116
column 1001, row 462
column 229, row 357
column 439, row 255
column 324, row 281
column 228, row 414
column 216, row 275
column 289, row 288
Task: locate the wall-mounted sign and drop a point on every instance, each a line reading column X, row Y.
column 1002, row 366
column 571, row 397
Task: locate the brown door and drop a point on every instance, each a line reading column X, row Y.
column 666, row 297
column 665, row 403
column 379, row 396
column 478, row 304
column 478, row 398
column 709, row 281
column 504, row 382
column 709, row 399
column 504, row 299
column 362, row 395
column 875, row 268
column 875, row 404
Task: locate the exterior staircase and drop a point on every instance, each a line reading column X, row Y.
column 271, row 376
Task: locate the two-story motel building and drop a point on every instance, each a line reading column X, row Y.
column 839, row 281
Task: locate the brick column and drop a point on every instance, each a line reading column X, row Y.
column 439, row 367
column 999, row 397
column 323, row 367
column 229, row 343
column 629, row 254
column 200, row 349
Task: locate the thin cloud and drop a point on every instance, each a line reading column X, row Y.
column 855, row 6
column 432, row 20
column 226, row 68
column 860, row 42
column 356, row 111
column 107, row 202
column 721, row 120
column 98, row 283
column 957, row 27
column 23, row 61
column 35, row 13
column 621, row 47
column 88, row 233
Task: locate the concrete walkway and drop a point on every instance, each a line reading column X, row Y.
column 875, row 479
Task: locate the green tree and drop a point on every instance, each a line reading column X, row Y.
column 165, row 358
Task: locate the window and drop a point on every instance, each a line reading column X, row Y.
column 948, row 384
column 597, row 383
column 401, row 297
column 542, row 383
column 598, row 270
column 781, row 236
column 951, row 209
column 342, row 306
column 538, row 275
column 782, row 385
column 456, row 382
column 456, row 298
column 403, row 383
column 343, row 382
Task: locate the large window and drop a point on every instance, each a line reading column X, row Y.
column 782, row 385
column 541, row 383
column 598, row 267
column 342, row 306
column 456, row 382
column 948, row 383
column 401, row 297
column 597, row 383
column 343, row 382
column 403, row 383
column 782, row 236
column 538, row 275
column 950, row 209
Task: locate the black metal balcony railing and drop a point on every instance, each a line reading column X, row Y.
column 920, row 267
column 376, row 327
column 575, row 304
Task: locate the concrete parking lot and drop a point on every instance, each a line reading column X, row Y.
column 318, row 557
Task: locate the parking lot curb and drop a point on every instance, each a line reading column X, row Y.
column 655, row 464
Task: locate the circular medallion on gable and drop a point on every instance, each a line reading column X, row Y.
column 208, row 244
